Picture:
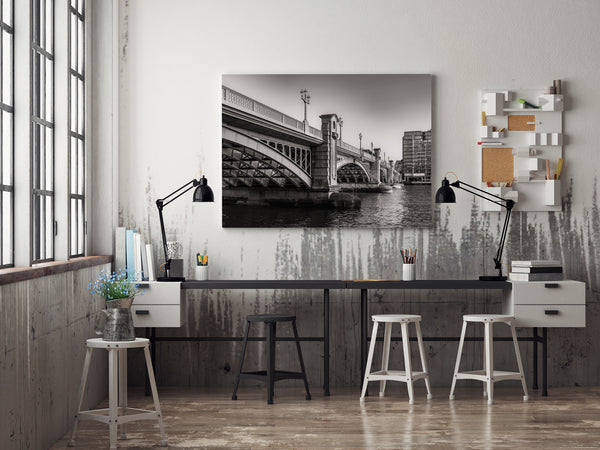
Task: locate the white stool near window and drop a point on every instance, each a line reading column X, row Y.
column 117, row 412
column 407, row 376
column 488, row 375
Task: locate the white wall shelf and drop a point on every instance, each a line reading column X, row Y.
column 533, row 143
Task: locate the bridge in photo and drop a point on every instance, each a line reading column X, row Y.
column 268, row 156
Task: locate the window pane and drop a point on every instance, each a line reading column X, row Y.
column 49, row 91
column 7, row 148
column 73, row 226
column 7, row 12
column 7, row 228
column 73, row 42
column 80, row 216
column 80, row 168
column 80, row 45
column 49, row 227
column 80, row 117
column 49, row 160
column 7, row 68
column 49, row 26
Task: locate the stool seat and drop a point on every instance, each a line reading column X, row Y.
column 488, row 318
column 267, row 318
column 101, row 343
column 396, row 318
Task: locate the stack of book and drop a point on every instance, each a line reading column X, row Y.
column 133, row 255
column 536, row 270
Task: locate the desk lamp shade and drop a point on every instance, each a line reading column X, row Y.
column 445, row 194
column 203, row 192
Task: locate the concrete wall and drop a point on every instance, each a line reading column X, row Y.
column 172, row 58
column 44, row 323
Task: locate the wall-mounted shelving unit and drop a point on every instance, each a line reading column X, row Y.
column 519, row 146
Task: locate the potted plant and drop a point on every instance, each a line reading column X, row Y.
column 118, row 292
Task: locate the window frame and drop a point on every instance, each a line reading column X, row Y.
column 40, row 234
column 7, row 109
column 76, row 11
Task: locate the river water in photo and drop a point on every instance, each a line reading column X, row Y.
column 406, row 206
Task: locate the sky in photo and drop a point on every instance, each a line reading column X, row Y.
column 381, row 107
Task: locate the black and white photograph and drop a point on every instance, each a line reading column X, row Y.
column 326, row 150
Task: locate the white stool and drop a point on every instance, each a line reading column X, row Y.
column 407, row 376
column 488, row 375
column 118, row 413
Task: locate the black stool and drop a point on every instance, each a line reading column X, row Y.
column 271, row 375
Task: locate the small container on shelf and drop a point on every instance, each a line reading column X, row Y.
column 551, row 102
column 551, row 192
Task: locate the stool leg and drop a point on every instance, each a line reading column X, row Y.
column 460, row 349
column 519, row 363
column 385, row 355
column 271, row 361
column 489, row 360
column 239, row 373
column 369, row 361
column 113, row 384
column 123, row 388
column 484, row 353
column 423, row 360
column 150, row 370
column 301, row 359
column 407, row 362
column 86, row 368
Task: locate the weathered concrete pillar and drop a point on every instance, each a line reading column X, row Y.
column 324, row 173
column 376, row 167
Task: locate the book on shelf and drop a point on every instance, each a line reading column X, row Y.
column 150, row 259
column 512, row 276
column 130, row 255
column 537, row 263
column 137, row 256
column 120, row 249
column 144, row 259
column 548, row 269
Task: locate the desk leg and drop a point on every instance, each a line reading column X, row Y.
column 535, row 358
column 147, row 382
column 326, row 342
column 545, row 362
column 364, row 325
column 123, row 388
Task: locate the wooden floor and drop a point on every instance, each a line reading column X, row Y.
column 208, row 418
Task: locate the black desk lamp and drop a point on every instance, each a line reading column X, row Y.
column 445, row 194
column 203, row 193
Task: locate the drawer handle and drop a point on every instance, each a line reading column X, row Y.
column 551, row 312
column 144, row 285
column 551, row 285
column 142, row 312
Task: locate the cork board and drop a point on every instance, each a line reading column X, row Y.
column 497, row 165
column 517, row 122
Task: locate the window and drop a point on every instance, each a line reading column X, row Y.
column 76, row 128
column 6, row 132
column 42, row 130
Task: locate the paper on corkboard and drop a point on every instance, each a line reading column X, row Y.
column 497, row 165
column 517, row 122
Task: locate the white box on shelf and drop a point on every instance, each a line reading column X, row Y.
column 532, row 164
column 486, row 131
column 543, row 138
column 494, row 103
column 556, row 139
column 533, row 139
column 523, row 152
column 522, row 175
column 551, row 102
column 551, row 192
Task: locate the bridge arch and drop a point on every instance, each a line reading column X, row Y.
column 352, row 172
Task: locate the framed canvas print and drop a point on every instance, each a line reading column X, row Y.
column 326, row 150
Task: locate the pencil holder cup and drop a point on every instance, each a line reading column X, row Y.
column 408, row 272
column 202, row 273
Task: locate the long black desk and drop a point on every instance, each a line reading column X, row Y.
column 363, row 286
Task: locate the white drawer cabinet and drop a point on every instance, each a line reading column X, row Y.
column 160, row 306
column 547, row 303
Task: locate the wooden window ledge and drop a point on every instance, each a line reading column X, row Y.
column 16, row 274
